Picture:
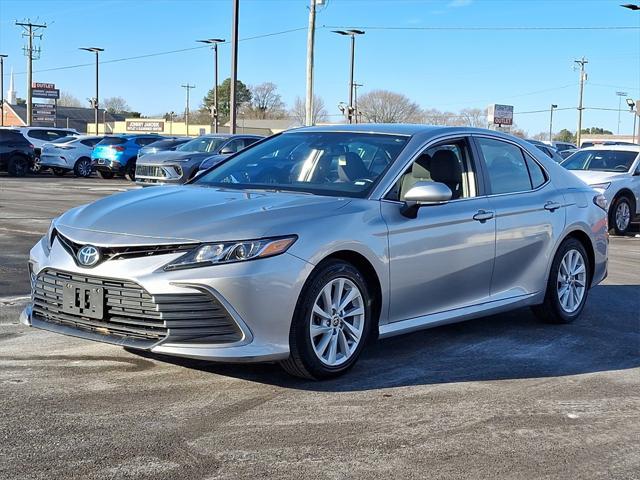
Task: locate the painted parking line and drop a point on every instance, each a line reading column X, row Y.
column 14, row 300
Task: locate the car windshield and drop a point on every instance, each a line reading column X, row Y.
column 323, row 163
column 65, row 139
column 202, row 144
column 601, row 160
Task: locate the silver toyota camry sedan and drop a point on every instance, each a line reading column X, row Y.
column 309, row 244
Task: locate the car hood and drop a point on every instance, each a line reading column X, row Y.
column 170, row 156
column 591, row 177
column 191, row 214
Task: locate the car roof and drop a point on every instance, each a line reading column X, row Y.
column 228, row 135
column 617, row 148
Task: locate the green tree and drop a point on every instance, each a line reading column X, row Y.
column 596, row 131
column 565, row 135
column 243, row 97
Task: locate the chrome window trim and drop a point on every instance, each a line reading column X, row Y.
column 492, row 137
column 424, row 146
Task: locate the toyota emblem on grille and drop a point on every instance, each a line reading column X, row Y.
column 88, row 256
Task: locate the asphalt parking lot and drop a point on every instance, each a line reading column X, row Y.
column 498, row 397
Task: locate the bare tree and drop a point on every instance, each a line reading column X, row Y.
column 68, row 100
column 383, row 106
column 266, row 102
column 474, row 117
column 541, row 136
column 115, row 105
column 318, row 115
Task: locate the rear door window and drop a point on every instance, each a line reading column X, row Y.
column 506, row 166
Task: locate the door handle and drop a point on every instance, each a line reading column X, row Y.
column 483, row 215
column 551, row 206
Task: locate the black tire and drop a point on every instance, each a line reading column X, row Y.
column 620, row 202
column 303, row 361
column 106, row 175
column 58, row 172
column 18, row 166
column 82, row 168
column 130, row 170
column 551, row 310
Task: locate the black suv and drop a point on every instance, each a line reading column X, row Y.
column 17, row 154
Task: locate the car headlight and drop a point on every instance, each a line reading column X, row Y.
column 600, row 186
column 232, row 252
column 48, row 238
column 600, row 201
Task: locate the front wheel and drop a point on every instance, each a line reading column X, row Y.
column 18, row 166
column 620, row 216
column 331, row 322
column 130, row 170
column 568, row 284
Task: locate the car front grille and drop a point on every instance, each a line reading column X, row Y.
column 151, row 171
column 129, row 311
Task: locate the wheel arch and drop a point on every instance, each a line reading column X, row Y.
column 586, row 242
column 626, row 192
column 371, row 277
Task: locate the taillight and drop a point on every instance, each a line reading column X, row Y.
column 118, row 149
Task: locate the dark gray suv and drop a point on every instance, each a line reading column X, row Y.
column 181, row 165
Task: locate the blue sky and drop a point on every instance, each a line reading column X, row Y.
column 444, row 69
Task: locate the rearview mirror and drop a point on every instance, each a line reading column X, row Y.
column 424, row 193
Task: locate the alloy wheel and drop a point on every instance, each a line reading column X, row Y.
column 84, row 168
column 572, row 281
column 623, row 216
column 337, row 321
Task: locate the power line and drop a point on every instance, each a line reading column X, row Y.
column 494, row 28
column 167, row 52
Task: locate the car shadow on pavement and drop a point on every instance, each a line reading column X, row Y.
column 513, row 345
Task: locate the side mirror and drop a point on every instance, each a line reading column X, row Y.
column 227, row 151
column 422, row 194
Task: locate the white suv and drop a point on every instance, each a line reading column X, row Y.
column 38, row 136
column 614, row 170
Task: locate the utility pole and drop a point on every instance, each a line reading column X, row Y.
column 551, row 122
column 311, row 34
column 30, row 30
column 583, row 76
column 234, row 67
column 214, row 109
column 2, row 57
column 94, row 100
column 187, row 87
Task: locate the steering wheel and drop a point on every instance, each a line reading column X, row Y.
column 366, row 180
column 620, row 167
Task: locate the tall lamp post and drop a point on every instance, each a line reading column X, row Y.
column 351, row 33
column 94, row 101
column 2, row 57
column 214, row 109
column 620, row 95
column 553, row 105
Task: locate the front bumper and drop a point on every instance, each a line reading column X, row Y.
column 260, row 296
column 164, row 174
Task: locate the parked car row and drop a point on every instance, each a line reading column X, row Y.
column 64, row 150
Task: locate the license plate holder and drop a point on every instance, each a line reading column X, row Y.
column 83, row 300
column 101, row 161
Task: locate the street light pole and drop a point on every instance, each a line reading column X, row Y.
column 351, row 33
column 2, row 57
column 620, row 95
column 214, row 109
column 311, row 33
column 234, row 67
column 97, row 51
column 551, row 122
column 633, row 104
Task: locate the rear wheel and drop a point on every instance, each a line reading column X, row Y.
column 568, row 284
column 331, row 322
column 18, row 166
column 58, row 172
column 82, row 168
column 620, row 216
column 105, row 175
column 36, row 167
